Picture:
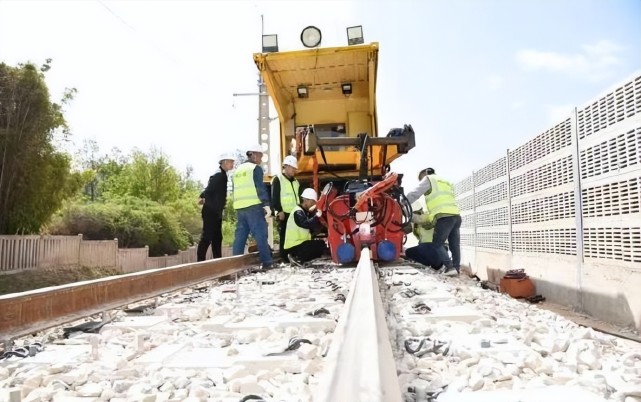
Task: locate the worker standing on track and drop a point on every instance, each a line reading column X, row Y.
column 213, row 200
column 443, row 214
column 251, row 202
column 298, row 241
column 285, row 196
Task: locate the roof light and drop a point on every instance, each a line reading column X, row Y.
column 346, row 88
column 355, row 35
column 303, row 91
column 311, row 36
column 270, row 43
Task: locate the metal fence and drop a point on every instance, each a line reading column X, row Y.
column 20, row 253
column 569, row 198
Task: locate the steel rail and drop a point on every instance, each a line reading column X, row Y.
column 28, row 312
column 360, row 365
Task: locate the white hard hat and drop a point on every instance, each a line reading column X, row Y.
column 291, row 161
column 310, row 194
column 226, row 156
column 255, row 148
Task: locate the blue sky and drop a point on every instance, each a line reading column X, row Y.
column 473, row 77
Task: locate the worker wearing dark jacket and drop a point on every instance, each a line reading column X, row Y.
column 285, row 197
column 298, row 240
column 213, row 199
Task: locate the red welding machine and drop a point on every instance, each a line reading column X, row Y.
column 365, row 214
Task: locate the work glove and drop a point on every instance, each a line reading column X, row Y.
column 319, row 213
column 268, row 210
column 416, row 218
column 281, row 216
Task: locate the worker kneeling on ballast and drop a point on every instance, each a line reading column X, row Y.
column 425, row 252
column 299, row 245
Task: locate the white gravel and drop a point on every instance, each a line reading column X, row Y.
column 556, row 351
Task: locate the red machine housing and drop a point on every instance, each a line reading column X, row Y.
column 365, row 215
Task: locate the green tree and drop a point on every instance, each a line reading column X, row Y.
column 35, row 178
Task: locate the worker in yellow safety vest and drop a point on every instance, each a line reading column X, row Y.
column 299, row 245
column 285, row 197
column 425, row 252
column 251, row 202
column 443, row 214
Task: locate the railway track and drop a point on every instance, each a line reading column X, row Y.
column 321, row 333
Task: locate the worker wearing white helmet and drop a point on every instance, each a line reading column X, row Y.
column 298, row 240
column 251, row 202
column 285, row 193
column 214, row 198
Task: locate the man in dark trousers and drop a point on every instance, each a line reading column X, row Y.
column 285, row 197
column 424, row 253
column 298, row 240
column 214, row 198
column 443, row 214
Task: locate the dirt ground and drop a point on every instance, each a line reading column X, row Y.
column 36, row 279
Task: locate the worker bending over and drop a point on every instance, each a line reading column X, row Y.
column 298, row 239
column 443, row 214
column 251, row 202
column 285, row 193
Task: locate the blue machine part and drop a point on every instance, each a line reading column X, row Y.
column 386, row 250
column 345, row 253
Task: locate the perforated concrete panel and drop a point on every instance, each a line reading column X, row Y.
column 492, row 217
column 612, row 199
column 549, row 175
column 490, row 172
column 491, row 195
column 547, row 241
column 463, row 186
column 612, row 155
column 618, row 105
column 468, row 239
column 493, row 240
column 554, row 139
column 613, row 243
column 466, row 204
column 589, row 164
column 557, row 206
column 468, row 221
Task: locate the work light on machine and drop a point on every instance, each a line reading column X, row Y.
column 355, row 35
column 311, row 36
column 346, row 87
column 270, row 43
column 303, row 91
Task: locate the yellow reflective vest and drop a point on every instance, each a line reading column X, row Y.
column 245, row 194
column 423, row 234
column 288, row 193
column 441, row 200
column 294, row 234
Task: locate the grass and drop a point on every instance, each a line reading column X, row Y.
column 36, row 279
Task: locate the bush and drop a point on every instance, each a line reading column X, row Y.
column 134, row 222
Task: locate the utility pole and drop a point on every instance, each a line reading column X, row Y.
column 264, row 136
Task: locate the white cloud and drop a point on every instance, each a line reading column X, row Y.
column 593, row 62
